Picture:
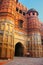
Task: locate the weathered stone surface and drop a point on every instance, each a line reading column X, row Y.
column 26, row 61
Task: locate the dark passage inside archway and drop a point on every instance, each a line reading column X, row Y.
column 19, row 50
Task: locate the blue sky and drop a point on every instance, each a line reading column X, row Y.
column 36, row 4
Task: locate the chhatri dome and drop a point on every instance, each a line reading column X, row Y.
column 32, row 10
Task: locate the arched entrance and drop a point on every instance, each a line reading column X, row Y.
column 19, row 49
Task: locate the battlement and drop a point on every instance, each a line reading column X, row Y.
column 16, row 0
column 10, row 6
column 22, row 7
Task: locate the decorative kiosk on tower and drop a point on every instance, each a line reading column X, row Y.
column 33, row 27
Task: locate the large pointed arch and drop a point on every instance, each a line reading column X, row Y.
column 19, row 49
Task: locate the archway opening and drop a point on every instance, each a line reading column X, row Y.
column 19, row 49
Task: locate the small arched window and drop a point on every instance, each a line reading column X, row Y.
column 24, row 13
column 20, row 11
column 20, row 23
column 33, row 13
column 17, row 9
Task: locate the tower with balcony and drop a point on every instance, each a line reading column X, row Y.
column 33, row 31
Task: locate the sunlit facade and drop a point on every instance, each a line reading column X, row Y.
column 21, row 32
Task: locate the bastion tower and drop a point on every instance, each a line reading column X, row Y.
column 34, row 35
column 7, row 28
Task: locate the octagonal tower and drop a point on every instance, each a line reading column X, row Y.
column 33, row 30
column 6, row 29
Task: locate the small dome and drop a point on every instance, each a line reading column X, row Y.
column 32, row 10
